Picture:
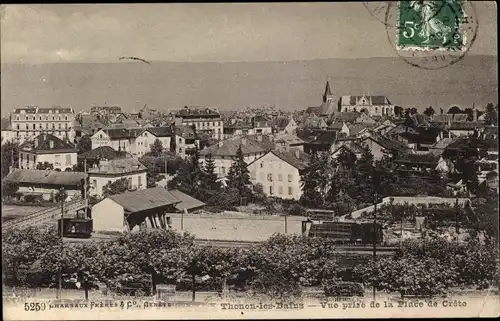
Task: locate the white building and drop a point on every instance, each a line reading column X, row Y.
column 47, row 148
column 373, row 105
column 32, row 121
column 120, row 139
column 185, row 141
column 279, row 173
column 206, row 120
column 109, row 171
column 224, row 152
column 146, row 139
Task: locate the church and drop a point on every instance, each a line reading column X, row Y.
column 373, row 105
column 328, row 105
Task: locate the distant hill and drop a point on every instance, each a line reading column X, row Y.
column 287, row 85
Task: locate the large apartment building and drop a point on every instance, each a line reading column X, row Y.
column 204, row 119
column 31, row 121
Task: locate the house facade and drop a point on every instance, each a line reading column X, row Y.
column 109, row 171
column 47, row 148
column 147, row 137
column 31, row 121
column 261, row 125
column 224, row 153
column 205, row 120
column 120, row 139
column 279, row 173
column 372, row 105
column 185, row 141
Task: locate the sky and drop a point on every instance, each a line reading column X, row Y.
column 204, row 32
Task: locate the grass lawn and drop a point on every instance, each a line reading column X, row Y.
column 10, row 212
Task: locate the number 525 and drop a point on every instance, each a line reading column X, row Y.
column 410, row 27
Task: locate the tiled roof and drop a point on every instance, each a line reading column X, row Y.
column 103, row 152
column 230, row 146
column 325, row 138
column 336, row 126
column 33, row 176
column 288, row 139
column 376, row 100
column 387, row 143
column 151, row 198
column 196, row 111
column 187, row 202
column 355, row 129
column 291, row 158
column 160, row 131
column 38, row 110
column 239, row 124
column 281, row 122
column 349, row 117
column 119, row 166
column 350, row 145
column 185, row 132
column 41, row 144
column 122, row 133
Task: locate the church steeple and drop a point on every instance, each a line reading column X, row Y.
column 328, row 96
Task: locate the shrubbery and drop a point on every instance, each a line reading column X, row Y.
column 279, row 267
column 334, row 287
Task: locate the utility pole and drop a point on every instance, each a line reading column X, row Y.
column 61, row 197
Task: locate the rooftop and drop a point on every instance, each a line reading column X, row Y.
column 33, row 176
column 118, row 166
column 47, row 143
column 291, row 158
column 229, row 147
column 151, row 198
column 39, row 110
column 103, row 152
column 190, row 111
column 160, row 131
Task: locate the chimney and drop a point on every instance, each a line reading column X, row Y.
column 51, row 144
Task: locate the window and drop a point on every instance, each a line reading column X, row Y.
column 280, row 190
column 34, row 126
column 223, row 170
column 17, row 118
column 41, row 126
column 94, row 183
column 27, row 127
column 57, row 159
column 280, row 177
column 289, row 177
column 289, row 190
column 270, row 190
column 53, row 126
column 17, row 126
column 140, row 180
column 130, row 182
column 66, row 125
column 180, row 140
column 68, row 159
column 59, row 126
column 180, row 150
column 262, row 165
column 22, row 156
column 66, row 117
column 270, row 177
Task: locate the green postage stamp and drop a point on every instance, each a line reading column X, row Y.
column 431, row 25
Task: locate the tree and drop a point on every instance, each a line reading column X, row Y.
column 455, row 110
column 116, row 187
column 429, row 111
column 84, row 144
column 491, row 115
column 311, row 180
column 346, row 158
column 44, row 166
column 156, row 148
column 363, row 176
column 398, row 111
column 239, row 176
column 9, row 189
column 10, row 157
column 209, row 177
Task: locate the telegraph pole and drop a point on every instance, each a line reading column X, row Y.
column 61, row 196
